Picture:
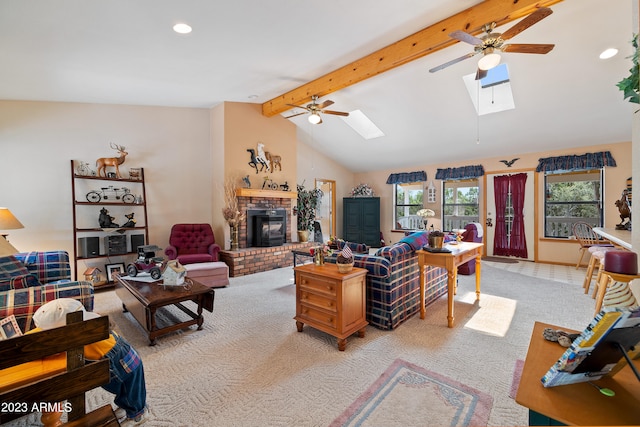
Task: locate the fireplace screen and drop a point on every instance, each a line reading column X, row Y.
column 269, row 230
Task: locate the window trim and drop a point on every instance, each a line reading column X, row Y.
column 599, row 203
column 475, row 181
column 395, row 205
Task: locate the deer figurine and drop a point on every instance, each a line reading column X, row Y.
column 103, row 162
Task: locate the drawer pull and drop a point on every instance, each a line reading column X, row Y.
column 330, row 288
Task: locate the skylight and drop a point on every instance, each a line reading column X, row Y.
column 491, row 94
column 362, row 124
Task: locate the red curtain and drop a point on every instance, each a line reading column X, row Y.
column 501, row 193
column 518, row 241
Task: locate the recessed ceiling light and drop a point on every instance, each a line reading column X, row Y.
column 609, row 53
column 182, row 28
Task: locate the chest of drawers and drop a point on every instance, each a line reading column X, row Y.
column 330, row 301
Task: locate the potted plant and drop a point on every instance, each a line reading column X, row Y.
column 629, row 85
column 308, row 202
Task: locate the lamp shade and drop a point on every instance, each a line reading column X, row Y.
column 489, row 60
column 314, row 118
column 7, row 248
column 8, row 221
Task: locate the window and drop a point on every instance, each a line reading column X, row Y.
column 570, row 198
column 408, row 201
column 460, row 204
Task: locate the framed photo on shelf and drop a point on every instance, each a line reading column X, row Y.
column 113, row 270
column 9, row 328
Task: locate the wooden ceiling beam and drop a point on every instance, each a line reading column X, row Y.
column 417, row 45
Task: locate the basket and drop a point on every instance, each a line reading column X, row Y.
column 344, row 268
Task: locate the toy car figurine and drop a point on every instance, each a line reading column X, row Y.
column 147, row 262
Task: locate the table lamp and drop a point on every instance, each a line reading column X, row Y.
column 8, row 222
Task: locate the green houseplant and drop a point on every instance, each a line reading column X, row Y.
column 308, row 202
column 629, row 85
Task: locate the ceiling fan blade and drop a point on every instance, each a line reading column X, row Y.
column 336, row 113
column 465, row 37
column 528, row 48
column 453, row 61
column 294, row 115
column 325, row 104
column 535, row 17
column 298, row 106
column 481, row 74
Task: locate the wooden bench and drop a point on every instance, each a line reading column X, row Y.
column 60, row 385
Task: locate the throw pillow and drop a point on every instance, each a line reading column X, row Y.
column 416, row 240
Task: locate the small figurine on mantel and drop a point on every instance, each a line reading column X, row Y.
column 245, row 180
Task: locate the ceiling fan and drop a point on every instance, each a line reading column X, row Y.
column 315, row 109
column 492, row 42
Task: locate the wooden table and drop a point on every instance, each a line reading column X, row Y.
column 575, row 404
column 143, row 299
column 331, row 301
column 619, row 237
column 304, row 253
column 460, row 253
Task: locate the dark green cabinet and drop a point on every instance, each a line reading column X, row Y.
column 361, row 220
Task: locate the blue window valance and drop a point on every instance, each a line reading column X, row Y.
column 586, row 161
column 404, row 177
column 464, row 172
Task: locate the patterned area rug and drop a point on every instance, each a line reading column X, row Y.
column 406, row 393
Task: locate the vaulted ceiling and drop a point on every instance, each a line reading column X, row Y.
column 123, row 52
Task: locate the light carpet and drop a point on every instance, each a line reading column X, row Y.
column 406, row 392
column 250, row 367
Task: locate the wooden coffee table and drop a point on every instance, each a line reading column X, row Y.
column 143, row 299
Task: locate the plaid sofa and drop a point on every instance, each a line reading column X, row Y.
column 31, row 279
column 393, row 288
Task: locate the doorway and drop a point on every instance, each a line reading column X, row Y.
column 515, row 232
column 326, row 214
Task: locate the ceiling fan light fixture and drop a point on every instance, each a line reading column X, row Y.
column 314, row 118
column 489, row 60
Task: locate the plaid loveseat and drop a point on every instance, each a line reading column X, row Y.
column 31, row 279
column 393, row 288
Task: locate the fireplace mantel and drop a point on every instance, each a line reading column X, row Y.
column 269, row 194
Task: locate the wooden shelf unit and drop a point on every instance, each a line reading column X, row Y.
column 80, row 217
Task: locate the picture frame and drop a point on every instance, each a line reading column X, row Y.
column 114, row 269
column 9, row 328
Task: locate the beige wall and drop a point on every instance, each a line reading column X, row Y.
column 549, row 250
column 38, row 140
column 313, row 165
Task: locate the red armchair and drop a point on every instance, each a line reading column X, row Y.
column 472, row 233
column 192, row 243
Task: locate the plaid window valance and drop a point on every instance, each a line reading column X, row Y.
column 404, row 177
column 586, row 161
column 464, row 172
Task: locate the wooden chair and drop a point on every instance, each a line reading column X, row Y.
column 68, row 383
column 587, row 238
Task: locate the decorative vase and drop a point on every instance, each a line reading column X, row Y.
column 234, row 237
column 303, row 235
column 318, row 256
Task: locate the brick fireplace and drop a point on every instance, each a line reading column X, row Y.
column 249, row 260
